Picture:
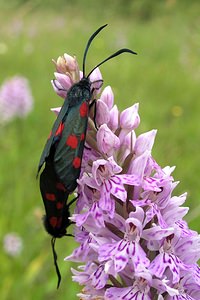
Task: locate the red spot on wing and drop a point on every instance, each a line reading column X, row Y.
column 72, row 141
column 59, row 205
column 60, row 186
column 83, row 109
column 50, row 197
column 59, row 221
column 82, row 136
column 60, row 129
column 53, row 221
column 76, row 162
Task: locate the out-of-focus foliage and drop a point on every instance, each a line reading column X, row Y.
column 163, row 78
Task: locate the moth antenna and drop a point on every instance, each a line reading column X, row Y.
column 53, row 240
column 123, row 50
column 88, row 45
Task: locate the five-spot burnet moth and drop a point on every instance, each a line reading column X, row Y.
column 63, row 153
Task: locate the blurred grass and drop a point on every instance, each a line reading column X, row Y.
column 163, row 78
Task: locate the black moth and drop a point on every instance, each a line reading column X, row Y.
column 63, row 152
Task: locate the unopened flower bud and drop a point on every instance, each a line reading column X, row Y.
column 107, row 97
column 59, row 89
column 145, row 142
column 114, row 118
column 67, row 64
column 129, row 118
column 60, row 64
column 64, row 80
column 103, row 114
column 107, row 141
column 71, row 62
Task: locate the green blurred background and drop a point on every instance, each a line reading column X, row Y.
column 163, row 78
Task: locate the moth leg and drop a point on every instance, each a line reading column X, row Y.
column 59, row 89
column 69, row 234
column 94, row 104
column 72, row 201
column 96, row 81
column 87, row 147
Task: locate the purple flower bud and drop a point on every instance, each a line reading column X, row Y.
column 102, row 115
column 125, row 137
column 58, row 88
column 107, row 97
column 138, row 165
column 127, row 145
column 129, row 140
column 64, row 80
column 129, row 118
column 145, row 142
column 66, row 64
column 107, row 141
column 70, row 63
column 114, row 118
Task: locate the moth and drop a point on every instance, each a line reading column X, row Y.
column 62, row 154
